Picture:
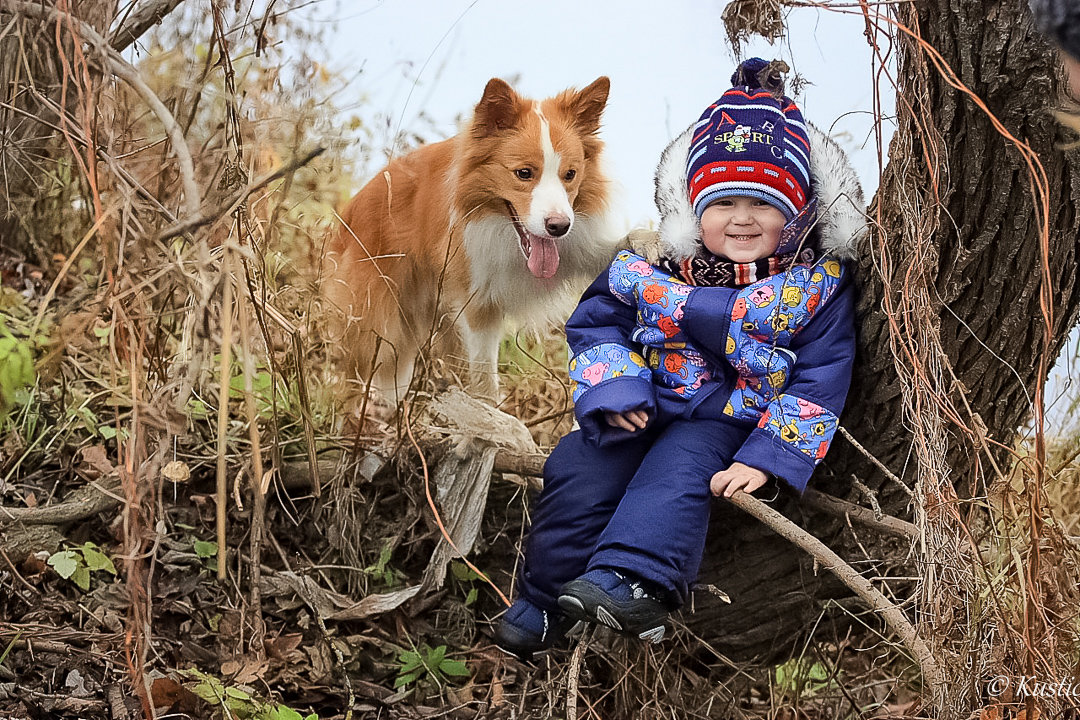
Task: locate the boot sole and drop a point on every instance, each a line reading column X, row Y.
column 525, row 654
column 584, row 601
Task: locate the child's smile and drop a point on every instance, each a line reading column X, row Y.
column 742, row 228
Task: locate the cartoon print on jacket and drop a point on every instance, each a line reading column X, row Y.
column 604, row 362
column 764, row 318
column 709, row 352
column 800, row 423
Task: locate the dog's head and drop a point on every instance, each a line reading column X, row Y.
column 536, row 163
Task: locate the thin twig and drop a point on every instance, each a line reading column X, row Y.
column 258, row 491
column 114, row 63
column 223, row 409
column 238, row 196
column 146, row 17
column 869, row 456
column 857, row 513
column 575, row 672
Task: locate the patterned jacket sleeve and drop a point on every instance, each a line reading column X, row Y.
column 607, row 371
column 798, row 425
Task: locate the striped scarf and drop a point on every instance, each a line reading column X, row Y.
column 708, row 270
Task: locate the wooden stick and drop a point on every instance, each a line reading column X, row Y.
column 223, row 408
column 890, row 613
column 857, row 513
column 258, row 502
column 136, row 25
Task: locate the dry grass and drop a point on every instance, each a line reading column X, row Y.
column 130, row 333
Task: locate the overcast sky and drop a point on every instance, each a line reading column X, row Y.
column 667, row 61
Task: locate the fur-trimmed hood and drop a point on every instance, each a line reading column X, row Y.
column 841, row 207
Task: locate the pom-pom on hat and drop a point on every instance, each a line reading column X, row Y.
column 753, row 142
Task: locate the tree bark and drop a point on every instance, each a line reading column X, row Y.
column 984, row 295
column 34, row 66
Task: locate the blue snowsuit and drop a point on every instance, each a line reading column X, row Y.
column 756, row 375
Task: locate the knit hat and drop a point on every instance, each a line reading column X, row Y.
column 752, row 142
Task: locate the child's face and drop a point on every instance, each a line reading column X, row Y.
column 741, row 228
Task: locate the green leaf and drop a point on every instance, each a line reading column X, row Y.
column 471, row 597
column 283, row 712
column 107, row 431
column 82, row 578
column 818, row 672
column 97, row 560
column 455, row 668
column 403, row 680
column 65, row 562
column 409, row 660
column 435, row 657
column 241, row 708
column 237, row 693
column 197, row 409
column 206, row 549
column 463, row 572
column 210, row 689
column 312, row 716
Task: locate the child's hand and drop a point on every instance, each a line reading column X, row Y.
column 633, row 420
column 737, row 477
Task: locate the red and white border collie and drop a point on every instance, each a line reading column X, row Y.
column 503, row 224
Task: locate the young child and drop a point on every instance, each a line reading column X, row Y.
column 722, row 365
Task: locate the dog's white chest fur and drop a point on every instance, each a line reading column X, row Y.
column 500, row 277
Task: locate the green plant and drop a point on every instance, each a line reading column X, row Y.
column 427, row 663
column 76, row 564
column 16, row 370
column 207, row 552
column 467, row 579
column 263, row 389
column 799, row 677
column 381, row 569
column 236, row 702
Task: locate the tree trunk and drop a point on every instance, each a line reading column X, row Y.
column 982, row 295
column 37, row 73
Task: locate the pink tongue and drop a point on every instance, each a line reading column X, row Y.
column 543, row 257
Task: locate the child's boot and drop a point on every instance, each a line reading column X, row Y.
column 526, row 630
column 622, row 602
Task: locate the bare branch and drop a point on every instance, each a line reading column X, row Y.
column 890, row 613
column 238, row 196
column 140, row 21
column 113, row 63
column 857, row 513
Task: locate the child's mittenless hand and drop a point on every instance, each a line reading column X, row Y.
column 737, row 477
column 632, row 420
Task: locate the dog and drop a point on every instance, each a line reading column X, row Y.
column 502, row 225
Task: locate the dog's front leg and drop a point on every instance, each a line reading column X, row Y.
column 481, row 332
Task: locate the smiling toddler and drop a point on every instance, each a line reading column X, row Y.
column 714, row 370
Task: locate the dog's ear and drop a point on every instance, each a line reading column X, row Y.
column 588, row 105
column 498, row 109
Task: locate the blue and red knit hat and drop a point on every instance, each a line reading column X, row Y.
column 753, row 142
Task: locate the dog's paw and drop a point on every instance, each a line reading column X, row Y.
column 643, row 242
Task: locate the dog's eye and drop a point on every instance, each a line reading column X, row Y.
column 570, row 175
column 524, row 173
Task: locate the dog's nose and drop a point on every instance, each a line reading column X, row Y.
column 557, row 225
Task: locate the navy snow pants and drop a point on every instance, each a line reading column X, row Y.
column 641, row 506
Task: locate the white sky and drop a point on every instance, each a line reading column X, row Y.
column 667, row 61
